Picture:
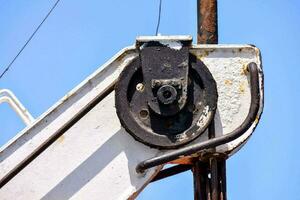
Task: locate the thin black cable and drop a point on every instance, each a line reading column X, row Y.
column 159, row 13
column 29, row 39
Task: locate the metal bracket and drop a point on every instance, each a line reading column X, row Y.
column 165, row 73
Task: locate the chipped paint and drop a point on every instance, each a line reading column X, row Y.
column 60, row 139
column 204, row 116
column 172, row 44
column 242, row 88
column 244, row 70
column 257, row 119
column 204, row 53
column 228, row 82
column 181, row 137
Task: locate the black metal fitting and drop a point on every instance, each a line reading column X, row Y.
column 166, row 94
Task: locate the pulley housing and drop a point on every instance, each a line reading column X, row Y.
column 166, row 97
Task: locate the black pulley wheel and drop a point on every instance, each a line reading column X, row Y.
column 166, row 132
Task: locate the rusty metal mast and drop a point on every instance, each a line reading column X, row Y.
column 209, row 175
column 207, row 22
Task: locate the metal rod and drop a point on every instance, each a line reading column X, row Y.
column 208, row 188
column 214, row 165
column 214, row 179
column 207, row 33
column 211, row 143
column 200, row 178
column 8, row 97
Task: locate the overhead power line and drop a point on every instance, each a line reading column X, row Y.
column 28, row 40
column 158, row 20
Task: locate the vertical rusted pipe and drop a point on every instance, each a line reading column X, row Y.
column 207, row 33
column 207, row 17
column 199, row 173
column 214, row 166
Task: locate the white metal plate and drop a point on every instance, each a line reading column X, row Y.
column 228, row 65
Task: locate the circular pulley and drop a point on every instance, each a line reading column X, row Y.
column 160, row 130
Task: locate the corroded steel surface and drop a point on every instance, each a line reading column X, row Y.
column 207, row 22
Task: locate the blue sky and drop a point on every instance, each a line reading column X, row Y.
column 79, row 36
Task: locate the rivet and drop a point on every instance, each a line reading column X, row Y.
column 140, row 87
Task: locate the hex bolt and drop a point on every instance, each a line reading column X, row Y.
column 166, row 94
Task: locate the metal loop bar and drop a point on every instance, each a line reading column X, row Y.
column 211, row 143
column 15, row 104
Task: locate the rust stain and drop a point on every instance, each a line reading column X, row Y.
column 66, row 97
column 244, row 69
column 121, row 57
column 242, row 88
column 184, row 161
column 228, row 82
column 256, row 119
column 204, row 53
column 61, row 139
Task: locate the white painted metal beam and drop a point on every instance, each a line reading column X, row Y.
column 95, row 157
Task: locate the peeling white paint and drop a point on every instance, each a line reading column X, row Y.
column 172, row 44
column 204, row 116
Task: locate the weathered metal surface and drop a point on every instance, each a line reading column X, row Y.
column 207, row 22
column 8, row 97
column 58, row 158
column 156, row 123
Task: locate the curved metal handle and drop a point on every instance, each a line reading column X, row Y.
column 15, row 104
column 211, row 143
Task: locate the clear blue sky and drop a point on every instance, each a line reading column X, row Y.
column 79, row 36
